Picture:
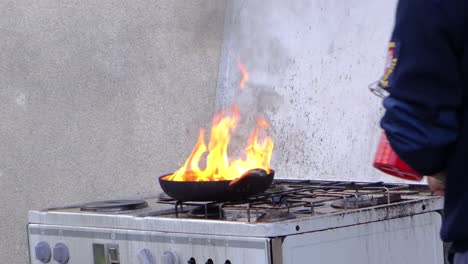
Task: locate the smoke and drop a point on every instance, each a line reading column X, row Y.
column 253, row 42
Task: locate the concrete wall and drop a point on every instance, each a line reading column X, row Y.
column 310, row 63
column 97, row 98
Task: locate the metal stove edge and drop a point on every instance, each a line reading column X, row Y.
column 242, row 229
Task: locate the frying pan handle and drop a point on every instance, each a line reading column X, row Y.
column 248, row 177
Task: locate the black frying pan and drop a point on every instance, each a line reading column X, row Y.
column 252, row 182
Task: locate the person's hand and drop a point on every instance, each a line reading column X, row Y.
column 437, row 183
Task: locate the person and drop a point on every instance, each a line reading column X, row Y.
column 426, row 110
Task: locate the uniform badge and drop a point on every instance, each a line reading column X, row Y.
column 391, row 63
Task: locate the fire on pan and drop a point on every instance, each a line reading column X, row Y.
column 222, row 177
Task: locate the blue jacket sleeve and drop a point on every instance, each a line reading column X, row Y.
column 424, row 83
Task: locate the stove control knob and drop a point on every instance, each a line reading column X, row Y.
column 191, row 261
column 43, row 252
column 61, row 253
column 145, row 257
column 209, row 261
column 169, row 257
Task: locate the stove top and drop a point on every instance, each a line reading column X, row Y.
column 288, row 206
column 288, row 199
column 285, row 199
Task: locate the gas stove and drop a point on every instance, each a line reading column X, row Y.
column 294, row 221
column 295, row 200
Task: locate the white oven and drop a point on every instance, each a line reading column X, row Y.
column 400, row 232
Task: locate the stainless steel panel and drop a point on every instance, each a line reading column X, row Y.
column 407, row 240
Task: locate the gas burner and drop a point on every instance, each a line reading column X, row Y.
column 279, row 200
column 165, row 198
column 114, row 206
column 355, row 202
column 206, row 212
column 275, row 215
column 308, row 211
column 364, row 201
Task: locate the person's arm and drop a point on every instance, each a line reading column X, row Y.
column 421, row 119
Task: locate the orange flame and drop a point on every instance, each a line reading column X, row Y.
column 245, row 76
column 219, row 166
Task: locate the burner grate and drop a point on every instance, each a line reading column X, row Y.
column 290, row 199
